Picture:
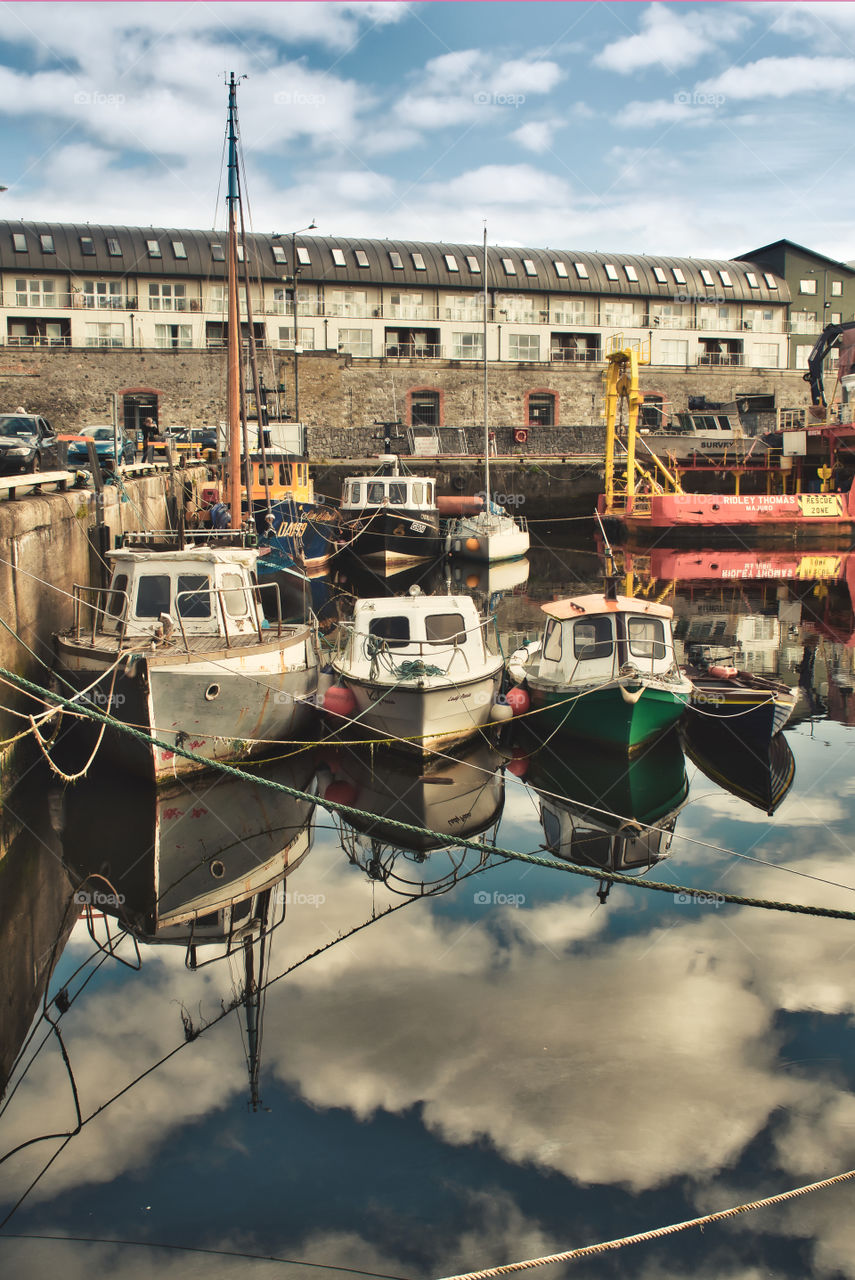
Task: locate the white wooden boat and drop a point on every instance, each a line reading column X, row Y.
column 491, row 535
column 179, row 647
column 418, row 670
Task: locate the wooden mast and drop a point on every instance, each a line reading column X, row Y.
column 233, row 374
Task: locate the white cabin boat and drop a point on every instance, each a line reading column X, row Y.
column 417, row 670
column 390, row 516
column 179, row 647
column 490, row 536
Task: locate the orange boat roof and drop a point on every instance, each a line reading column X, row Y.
column 579, row 605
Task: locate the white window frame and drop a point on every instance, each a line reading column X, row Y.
column 529, row 343
column 581, row 270
column 560, row 269
column 351, row 344
column 631, row 273
column 611, row 271
column 338, row 257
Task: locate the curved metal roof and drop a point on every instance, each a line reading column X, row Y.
column 82, row 249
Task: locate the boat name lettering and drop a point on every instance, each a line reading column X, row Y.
column 291, row 529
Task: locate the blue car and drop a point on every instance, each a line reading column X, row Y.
column 78, row 453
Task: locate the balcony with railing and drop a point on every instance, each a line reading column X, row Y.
column 413, row 351
column 721, row 359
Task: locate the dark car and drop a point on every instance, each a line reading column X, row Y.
column 78, row 452
column 27, row 443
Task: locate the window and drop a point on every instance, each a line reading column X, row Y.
column 105, row 335
column 394, row 631
column 451, row 262
column 541, row 409
column 35, row 293
column 678, row 275
column 445, row 628
column 192, row 597
column 152, row 595
column 397, row 492
column 611, row 272
column 581, row 270
column 303, row 256
column 560, row 269
column 616, row 312
column 837, row 288
column 239, row 252
column 178, row 249
column 424, row 409
column 467, row 346
column 234, row 595
column 593, row 638
column 753, row 282
column 724, row 276
column 418, row 262
column 803, row 321
column 116, row 599
column 279, row 255
column 836, row 317
column 807, row 286
column 47, row 244
column 631, row 273
column 802, row 354
column 510, row 269
column 305, row 339
column 355, row 342
column 673, row 351
column 552, row 641
column 396, row 260
column 706, row 276
column 113, row 247
column 530, row 268
column 354, row 494
column 646, row 638
column 153, row 248
column 167, row 297
column 361, row 257
column 347, row 302
column 338, row 258
column 173, row 335
column 87, row 246
column 660, row 275
column 766, row 355
column 771, row 282
column 524, row 346
column 376, row 493
column 473, row 264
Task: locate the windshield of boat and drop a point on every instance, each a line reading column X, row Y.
column 13, row 426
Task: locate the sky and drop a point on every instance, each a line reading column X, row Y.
column 675, row 128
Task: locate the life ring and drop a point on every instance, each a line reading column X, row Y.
column 458, row 482
column 520, row 435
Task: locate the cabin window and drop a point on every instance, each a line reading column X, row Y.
column 646, row 638
column 152, row 595
column 116, row 600
column 394, row 631
column 354, row 494
column 376, row 492
column 398, row 493
column 193, row 598
column 552, row 646
column 234, row 595
column 418, row 493
column 593, row 638
column 445, row 628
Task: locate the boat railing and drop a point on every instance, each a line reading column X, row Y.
column 375, row 647
column 85, row 597
column 252, row 603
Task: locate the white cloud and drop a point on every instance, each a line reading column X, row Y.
column 537, row 135
column 783, row 78
column 672, row 39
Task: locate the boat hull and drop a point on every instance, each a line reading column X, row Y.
column 479, row 540
column 258, row 695
column 754, row 713
column 603, row 715
column 392, row 537
column 304, row 534
column 722, row 518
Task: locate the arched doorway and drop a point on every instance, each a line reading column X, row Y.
column 139, row 403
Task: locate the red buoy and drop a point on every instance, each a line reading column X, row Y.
column 518, row 700
column 339, row 700
column 518, row 763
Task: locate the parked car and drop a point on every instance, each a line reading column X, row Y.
column 78, row 453
column 191, row 440
column 27, row 443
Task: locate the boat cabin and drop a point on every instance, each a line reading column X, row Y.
column 282, row 477
column 201, row 592
column 591, row 638
column 437, row 631
column 410, row 493
column 627, row 849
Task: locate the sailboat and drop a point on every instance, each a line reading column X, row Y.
column 490, row 534
column 184, row 644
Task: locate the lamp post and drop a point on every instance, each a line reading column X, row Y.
column 295, row 271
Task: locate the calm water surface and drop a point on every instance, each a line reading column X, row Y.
column 515, row 1060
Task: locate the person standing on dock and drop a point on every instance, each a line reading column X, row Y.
column 149, row 431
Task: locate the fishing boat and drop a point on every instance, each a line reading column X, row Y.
column 419, row 670
column 390, row 515
column 492, row 534
column 760, row 774
column 178, row 645
column 754, row 706
column 603, row 670
column 295, row 528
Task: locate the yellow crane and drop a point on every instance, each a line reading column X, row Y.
column 621, row 386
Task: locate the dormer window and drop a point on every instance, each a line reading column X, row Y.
column 611, row 272
column 419, row 262
column 396, row 260
column 770, row 280
column 753, row 282
column 153, row 247
column 560, row 269
column 361, row 257
column 706, row 276
column 724, row 276
column 631, row 273
column 19, row 242
column 473, row 264
column 660, row 276
column 279, row 255
column 529, row 267
column 113, row 247
column 451, row 262
column 239, row 253
column 678, row 275
column 47, row 244
column 508, row 264
column 581, row 270
column 87, row 246
column 338, row 258
column 303, row 256
column 178, row 249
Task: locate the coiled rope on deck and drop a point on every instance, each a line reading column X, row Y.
column 687, row 891
column 657, row 1233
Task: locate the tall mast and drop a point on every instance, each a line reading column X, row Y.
column 233, row 375
column 486, row 416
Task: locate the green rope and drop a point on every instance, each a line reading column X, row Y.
column 346, row 810
column 415, row 669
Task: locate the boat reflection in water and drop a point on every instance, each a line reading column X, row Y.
column 759, row 772
column 192, row 863
column 444, row 797
column 611, row 812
